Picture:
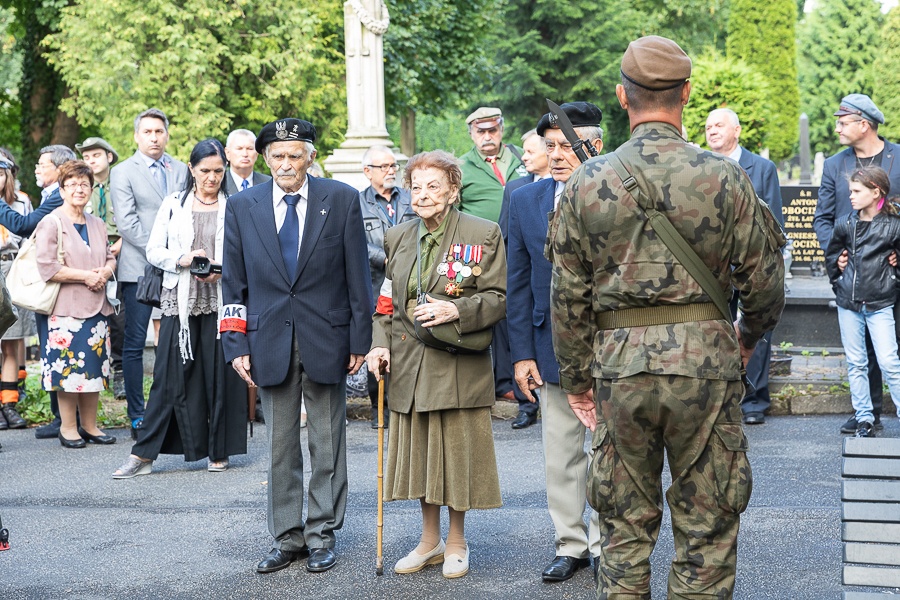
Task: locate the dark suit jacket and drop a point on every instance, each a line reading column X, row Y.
column 764, row 177
column 327, row 305
column 528, row 278
column 24, row 225
column 834, row 192
column 231, row 189
column 507, row 194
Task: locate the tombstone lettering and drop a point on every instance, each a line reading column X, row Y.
column 799, row 207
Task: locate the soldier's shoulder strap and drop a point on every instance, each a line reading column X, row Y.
column 671, row 238
column 515, row 152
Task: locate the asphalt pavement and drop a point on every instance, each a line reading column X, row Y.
column 182, row 532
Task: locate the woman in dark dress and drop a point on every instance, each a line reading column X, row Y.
column 197, row 405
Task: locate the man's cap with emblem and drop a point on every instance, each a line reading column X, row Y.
column 581, row 114
column 485, row 117
column 656, row 63
column 285, row 130
column 97, row 142
column 861, row 106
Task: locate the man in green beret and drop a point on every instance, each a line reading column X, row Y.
column 649, row 360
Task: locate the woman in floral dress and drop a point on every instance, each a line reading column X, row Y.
column 76, row 356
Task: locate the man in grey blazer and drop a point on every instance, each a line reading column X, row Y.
column 137, row 187
column 240, row 150
column 297, row 318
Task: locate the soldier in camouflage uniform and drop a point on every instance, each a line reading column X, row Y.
column 674, row 387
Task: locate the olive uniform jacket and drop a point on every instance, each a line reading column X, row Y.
column 422, row 376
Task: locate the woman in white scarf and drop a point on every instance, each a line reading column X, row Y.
column 197, row 405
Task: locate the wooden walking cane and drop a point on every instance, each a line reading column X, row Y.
column 251, row 406
column 379, row 532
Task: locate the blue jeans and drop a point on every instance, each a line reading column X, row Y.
column 880, row 324
column 137, row 319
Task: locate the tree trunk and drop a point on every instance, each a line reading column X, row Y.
column 65, row 128
column 408, row 132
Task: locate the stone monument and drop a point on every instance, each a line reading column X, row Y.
column 365, row 22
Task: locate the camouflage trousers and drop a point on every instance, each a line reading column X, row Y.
column 696, row 423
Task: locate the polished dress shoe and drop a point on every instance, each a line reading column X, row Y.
column 415, row 562
column 66, row 443
column 278, row 559
column 754, row 418
column 524, row 420
column 96, row 439
column 562, row 568
column 13, row 419
column 51, row 430
column 321, row 559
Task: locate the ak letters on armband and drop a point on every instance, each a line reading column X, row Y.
column 234, row 318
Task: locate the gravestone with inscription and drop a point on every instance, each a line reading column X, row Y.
column 799, row 207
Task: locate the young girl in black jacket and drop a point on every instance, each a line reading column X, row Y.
column 866, row 287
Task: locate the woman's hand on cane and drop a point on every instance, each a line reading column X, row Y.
column 379, row 361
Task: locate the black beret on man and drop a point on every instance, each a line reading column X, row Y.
column 581, row 114
column 656, row 63
column 285, row 130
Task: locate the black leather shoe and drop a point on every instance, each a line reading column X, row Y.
column 51, row 430
column 3, row 424
column 523, row 420
column 66, row 443
column 321, row 559
column 13, row 419
column 878, row 425
column 754, row 418
column 258, row 415
column 96, row 439
column 563, row 567
column 278, row 559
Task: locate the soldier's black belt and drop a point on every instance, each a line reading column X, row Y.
column 658, row 315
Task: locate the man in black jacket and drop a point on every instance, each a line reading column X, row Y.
column 857, row 127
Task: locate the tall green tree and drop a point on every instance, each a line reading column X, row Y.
column 211, row 65
column 695, row 25
column 720, row 82
column 838, row 43
column 435, row 56
column 10, row 78
column 41, row 90
column 886, row 71
column 763, row 35
column 564, row 51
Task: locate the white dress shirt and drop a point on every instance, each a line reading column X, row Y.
column 736, row 155
column 560, row 186
column 239, row 181
column 281, row 207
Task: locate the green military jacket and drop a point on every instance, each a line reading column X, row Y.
column 607, row 257
column 482, row 194
column 93, row 208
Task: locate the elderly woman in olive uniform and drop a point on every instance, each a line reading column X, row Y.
column 444, row 268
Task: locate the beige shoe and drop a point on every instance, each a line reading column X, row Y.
column 414, row 561
column 133, row 467
column 456, row 565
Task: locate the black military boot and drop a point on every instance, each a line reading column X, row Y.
column 13, row 420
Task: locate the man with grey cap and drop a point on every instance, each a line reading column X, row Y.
column 649, row 357
column 100, row 156
column 486, row 169
column 857, row 127
column 297, row 318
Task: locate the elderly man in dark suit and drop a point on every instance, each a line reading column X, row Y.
column 297, row 318
column 857, row 127
column 137, row 187
column 531, row 346
column 240, row 150
column 723, row 133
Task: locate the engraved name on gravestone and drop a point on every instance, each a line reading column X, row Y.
column 799, row 207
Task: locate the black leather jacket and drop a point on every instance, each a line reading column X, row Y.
column 868, row 279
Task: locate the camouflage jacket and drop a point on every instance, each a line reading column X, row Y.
column 606, row 257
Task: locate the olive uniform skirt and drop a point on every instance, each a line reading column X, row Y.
column 444, row 456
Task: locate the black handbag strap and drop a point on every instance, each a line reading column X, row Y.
column 676, row 243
